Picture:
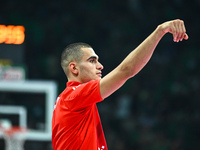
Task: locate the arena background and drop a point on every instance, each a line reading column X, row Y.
column 158, row 109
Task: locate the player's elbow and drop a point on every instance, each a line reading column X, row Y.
column 128, row 72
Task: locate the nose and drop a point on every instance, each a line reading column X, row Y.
column 99, row 66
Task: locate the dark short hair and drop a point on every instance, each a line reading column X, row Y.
column 71, row 53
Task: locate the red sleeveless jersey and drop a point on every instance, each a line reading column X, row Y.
column 76, row 123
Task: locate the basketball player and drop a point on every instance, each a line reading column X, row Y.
column 76, row 124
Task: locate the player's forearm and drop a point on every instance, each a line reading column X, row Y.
column 139, row 57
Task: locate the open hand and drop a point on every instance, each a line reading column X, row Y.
column 175, row 27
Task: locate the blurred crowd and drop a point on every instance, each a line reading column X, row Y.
column 158, row 109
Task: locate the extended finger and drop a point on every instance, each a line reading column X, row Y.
column 183, row 30
column 173, row 31
column 185, row 36
column 180, row 30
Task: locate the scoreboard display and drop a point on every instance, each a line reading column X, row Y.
column 12, row 52
column 12, row 43
column 12, row 34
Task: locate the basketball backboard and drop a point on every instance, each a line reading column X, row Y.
column 37, row 98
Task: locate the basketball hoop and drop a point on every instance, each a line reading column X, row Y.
column 14, row 138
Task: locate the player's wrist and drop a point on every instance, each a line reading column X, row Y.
column 160, row 30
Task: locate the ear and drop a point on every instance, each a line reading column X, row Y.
column 73, row 68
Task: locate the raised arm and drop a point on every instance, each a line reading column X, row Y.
column 139, row 57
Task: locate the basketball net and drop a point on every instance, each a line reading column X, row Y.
column 14, row 137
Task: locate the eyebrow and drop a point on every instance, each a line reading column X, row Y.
column 92, row 57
